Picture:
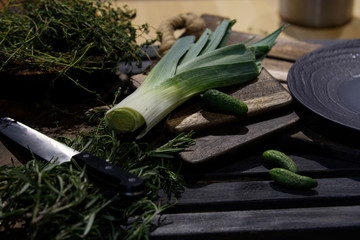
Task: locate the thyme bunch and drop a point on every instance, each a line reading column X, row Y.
column 47, row 201
column 59, row 35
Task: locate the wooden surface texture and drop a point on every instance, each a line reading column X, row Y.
column 233, row 197
column 224, row 134
column 238, row 199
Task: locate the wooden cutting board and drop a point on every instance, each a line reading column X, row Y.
column 261, row 95
column 222, row 134
column 218, row 143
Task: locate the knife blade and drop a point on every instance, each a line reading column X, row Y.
column 15, row 135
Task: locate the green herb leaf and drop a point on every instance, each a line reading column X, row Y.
column 60, row 201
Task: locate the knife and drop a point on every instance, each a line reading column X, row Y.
column 18, row 137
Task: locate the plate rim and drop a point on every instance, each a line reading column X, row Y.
column 349, row 43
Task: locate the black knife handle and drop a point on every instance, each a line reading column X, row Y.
column 127, row 183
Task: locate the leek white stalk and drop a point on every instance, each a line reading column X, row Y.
column 189, row 69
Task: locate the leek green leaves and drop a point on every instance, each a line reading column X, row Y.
column 189, row 69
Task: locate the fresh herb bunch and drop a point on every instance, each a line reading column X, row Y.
column 58, row 35
column 46, row 201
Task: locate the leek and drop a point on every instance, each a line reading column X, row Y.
column 189, row 69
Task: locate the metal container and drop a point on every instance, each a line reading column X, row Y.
column 317, row 13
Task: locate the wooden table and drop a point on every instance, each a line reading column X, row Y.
column 235, row 197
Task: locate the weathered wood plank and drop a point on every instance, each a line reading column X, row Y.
column 253, row 167
column 299, row 223
column 266, row 194
column 261, row 95
column 277, row 68
column 230, row 139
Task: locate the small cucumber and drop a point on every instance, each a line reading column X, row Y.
column 292, row 180
column 279, row 159
column 220, row 102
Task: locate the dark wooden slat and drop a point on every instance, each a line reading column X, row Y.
column 266, row 194
column 232, row 138
column 254, row 168
column 311, row 223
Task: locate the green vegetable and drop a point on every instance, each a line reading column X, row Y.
column 57, row 36
column 187, row 70
column 280, row 159
column 292, row 180
column 217, row 101
column 40, row 200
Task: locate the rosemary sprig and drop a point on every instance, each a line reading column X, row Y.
column 51, row 201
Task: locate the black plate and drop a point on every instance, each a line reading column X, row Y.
column 327, row 81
